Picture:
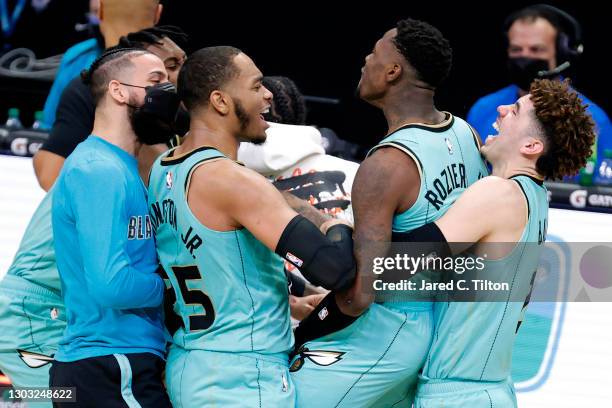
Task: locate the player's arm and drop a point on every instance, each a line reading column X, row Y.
column 98, row 197
column 324, row 259
column 490, row 205
column 306, row 210
column 386, row 183
column 73, row 123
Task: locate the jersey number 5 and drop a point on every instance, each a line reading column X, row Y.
column 193, row 297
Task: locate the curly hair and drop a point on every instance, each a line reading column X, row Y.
column 425, row 49
column 568, row 128
column 288, row 105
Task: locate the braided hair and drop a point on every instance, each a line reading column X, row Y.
column 105, row 68
column 288, row 105
column 153, row 35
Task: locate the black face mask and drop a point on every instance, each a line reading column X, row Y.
column 153, row 122
column 524, row 70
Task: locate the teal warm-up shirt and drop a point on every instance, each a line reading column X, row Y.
column 106, row 255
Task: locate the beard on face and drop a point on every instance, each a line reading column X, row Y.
column 245, row 120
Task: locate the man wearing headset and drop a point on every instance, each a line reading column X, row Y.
column 543, row 42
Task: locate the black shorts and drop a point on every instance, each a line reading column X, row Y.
column 118, row 380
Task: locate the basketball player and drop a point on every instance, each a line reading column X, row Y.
column 546, row 134
column 294, row 159
column 31, row 308
column 113, row 347
column 218, row 226
column 362, row 355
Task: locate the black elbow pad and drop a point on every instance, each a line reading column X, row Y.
column 323, row 261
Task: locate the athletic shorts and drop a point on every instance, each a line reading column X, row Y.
column 374, row 362
column 117, row 381
column 200, row 378
column 460, row 394
column 32, row 319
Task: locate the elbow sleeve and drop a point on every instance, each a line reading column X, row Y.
column 324, row 260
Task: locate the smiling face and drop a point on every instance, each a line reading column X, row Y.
column 384, row 56
column 250, row 100
column 518, row 133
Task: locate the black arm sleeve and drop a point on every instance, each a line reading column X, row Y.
column 73, row 120
column 429, row 238
column 324, row 260
column 325, row 319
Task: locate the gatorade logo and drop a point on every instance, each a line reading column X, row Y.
column 578, row 198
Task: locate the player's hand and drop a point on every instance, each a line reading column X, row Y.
column 303, row 306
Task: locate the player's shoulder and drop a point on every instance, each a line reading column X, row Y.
column 496, row 191
column 226, row 175
column 86, row 160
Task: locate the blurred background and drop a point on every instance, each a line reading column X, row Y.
column 322, row 48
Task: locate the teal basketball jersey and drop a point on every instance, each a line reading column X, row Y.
column 473, row 340
column 448, row 159
column 35, row 258
column 231, row 290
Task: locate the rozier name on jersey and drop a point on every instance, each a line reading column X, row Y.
column 165, row 213
column 452, row 177
column 139, row 227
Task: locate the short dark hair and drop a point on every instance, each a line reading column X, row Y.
column 106, row 67
column 568, row 128
column 153, row 35
column 205, row 71
column 425, row 49
column 288, row 105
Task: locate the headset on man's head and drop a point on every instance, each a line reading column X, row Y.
column 569, row 33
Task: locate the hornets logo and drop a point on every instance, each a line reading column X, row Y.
column 34, row 360
column 319, row 357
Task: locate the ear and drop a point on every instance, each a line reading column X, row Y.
column 393, row 72
column 101, row 10
column 220, row 101
column 117, row 92
column 158, row 13
column 532, row 146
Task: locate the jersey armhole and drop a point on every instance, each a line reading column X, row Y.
column 477, row 139
column 526, row 199
column 404, row 149
column 194, row 168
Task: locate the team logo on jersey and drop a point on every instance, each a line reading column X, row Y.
column 34, row 360
column 319, row 357
column 449, row 145
column 169, row 180
column 294, row 259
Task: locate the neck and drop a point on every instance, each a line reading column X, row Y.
column 412, row 106
column 507, row 170
column 203, row 132
column 116, row 131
